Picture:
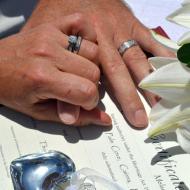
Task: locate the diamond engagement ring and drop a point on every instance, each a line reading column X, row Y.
column 126, row 45
column 74, row 43
column 78, row 44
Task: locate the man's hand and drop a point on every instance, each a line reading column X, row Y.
column 39, row 77
column 114, row 24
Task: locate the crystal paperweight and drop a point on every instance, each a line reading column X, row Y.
column 56, row 171
column 47, row 171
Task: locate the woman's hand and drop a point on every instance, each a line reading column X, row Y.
column 36, row 70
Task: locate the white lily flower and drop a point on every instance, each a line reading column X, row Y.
column 172, row 45
column 183, row 136
column 171, row 82
column 181, row 16
column 168, row 117
column 185, row 39
column 173, row 119
column 160, row 109
column 158, row 62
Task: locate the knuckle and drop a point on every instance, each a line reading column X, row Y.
column 43, row 42
column 91, row 91
column 138, row 54
column 42, row 48
column 135, row 53
column 90, row 97
column 67, row 92
column 37, row 76
column 116, row 67
column 79, row 19
column 78, row 22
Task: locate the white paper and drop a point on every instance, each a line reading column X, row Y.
column 123, row 154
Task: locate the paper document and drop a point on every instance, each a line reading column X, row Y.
column 123, row 154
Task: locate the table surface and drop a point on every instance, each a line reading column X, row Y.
column 153, row 13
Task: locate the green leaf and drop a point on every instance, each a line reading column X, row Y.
column 183, row 54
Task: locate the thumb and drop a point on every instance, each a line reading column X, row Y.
column 67, row 113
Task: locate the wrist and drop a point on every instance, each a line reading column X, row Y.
column 51, row 10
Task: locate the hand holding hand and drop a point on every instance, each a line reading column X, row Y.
column 114, row 24
column 36, row 70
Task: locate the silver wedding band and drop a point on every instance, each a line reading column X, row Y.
column 126, row 45
column 74, row 43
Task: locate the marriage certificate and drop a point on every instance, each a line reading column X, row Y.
column 125, row 155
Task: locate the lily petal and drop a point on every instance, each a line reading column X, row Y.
column 171, row 82
column 160, row 109
column 171, row 121
column 185, row 2
column 183, row 136
column 172, row 45
column 181, row 16
column 158, row 62
column 185, row 39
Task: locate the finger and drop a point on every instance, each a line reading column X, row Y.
column 122, row 84
column 137, row 63
column 71, row 63
column 77, row 24
column 95, row 116
column 144, row 38
column 88, row 49
column 68, row 113
column 45, row 111
column 157, row 49
column 148, row 43
column 70, row 88
column 48, row 112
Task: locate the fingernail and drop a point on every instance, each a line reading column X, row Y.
column 106, row 119
column 67, row 118
column 67, row 113
column 141, row 119
column 103, row 119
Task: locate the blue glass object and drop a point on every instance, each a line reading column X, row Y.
column 46, row 171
